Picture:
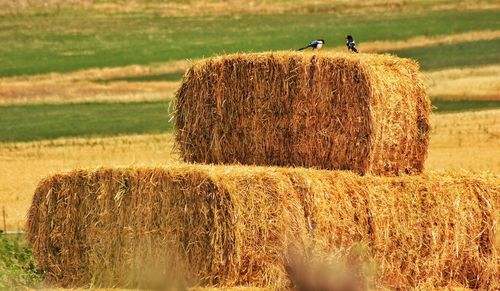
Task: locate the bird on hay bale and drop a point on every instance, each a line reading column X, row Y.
column 316, row 45
column 351, row 44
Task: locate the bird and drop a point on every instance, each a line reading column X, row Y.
column 317, row 44
column 351, row 44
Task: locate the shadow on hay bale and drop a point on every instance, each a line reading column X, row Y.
column 360, row 112
column 233, row 225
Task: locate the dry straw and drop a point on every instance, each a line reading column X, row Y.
column 361, row 112
column 234, row 225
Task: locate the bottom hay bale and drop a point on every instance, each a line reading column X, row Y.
column 235, row 226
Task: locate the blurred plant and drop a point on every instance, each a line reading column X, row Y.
column 352, row 271
column 17, row 266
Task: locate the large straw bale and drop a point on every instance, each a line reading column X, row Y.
column 361, row 112
column 234, row 225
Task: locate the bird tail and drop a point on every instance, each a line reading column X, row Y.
column 303, row 48
column 355, row 50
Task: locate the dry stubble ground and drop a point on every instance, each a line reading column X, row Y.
column 469, row 141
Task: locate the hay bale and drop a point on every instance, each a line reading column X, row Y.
column 361, row 112
column 233, row 225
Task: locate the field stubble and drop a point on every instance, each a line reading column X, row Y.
column 469, row 140
column 424, row 41
column 481, row 83
column 92, row 85
column 24, row 164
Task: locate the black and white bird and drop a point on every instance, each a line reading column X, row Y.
column 351, row 44
column 316, row 45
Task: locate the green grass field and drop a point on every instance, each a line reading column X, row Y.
column 45, row 121
column 68, row 41
column 453, row 106
column 464, row 54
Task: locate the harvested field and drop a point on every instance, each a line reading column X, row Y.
column 233, row 225
column 49, row 157
column 469, row 140
column 91, row 85
column 366, row 113
column 83, row 91
column 422, row 41
column 465, row 83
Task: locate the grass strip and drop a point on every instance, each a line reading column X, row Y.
column 454, row 55
column 50, row 121
column 453, row 106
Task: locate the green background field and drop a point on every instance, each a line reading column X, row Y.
column 49, row 121
column 62, row 42
column 65, row 41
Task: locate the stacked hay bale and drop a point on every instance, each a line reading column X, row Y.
column 365, row 113
column 234, row 225
column 226, row 225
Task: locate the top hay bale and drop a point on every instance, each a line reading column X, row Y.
column 360, row 112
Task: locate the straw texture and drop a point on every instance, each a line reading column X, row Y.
column 234, row 225
column 360, row 112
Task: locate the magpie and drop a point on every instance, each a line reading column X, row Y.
column 317, row 44
column 351, row 44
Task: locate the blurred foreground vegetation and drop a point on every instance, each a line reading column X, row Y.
column 17, row 266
